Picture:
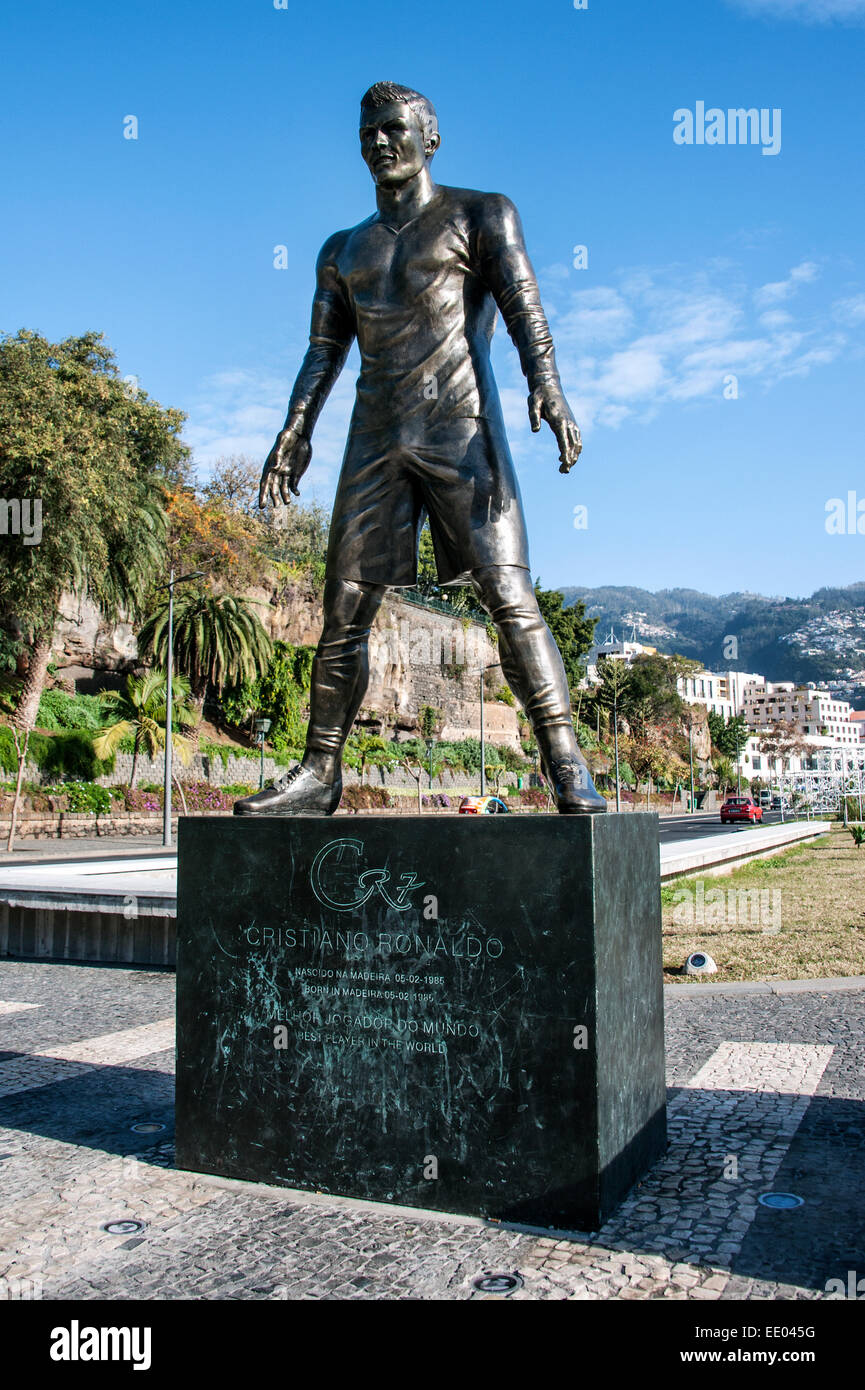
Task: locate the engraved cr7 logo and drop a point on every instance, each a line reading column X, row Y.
column 367, row 882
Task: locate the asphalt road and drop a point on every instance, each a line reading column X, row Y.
column 695, row 827
column 132, row 846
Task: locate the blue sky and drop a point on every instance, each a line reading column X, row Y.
column 703, row 260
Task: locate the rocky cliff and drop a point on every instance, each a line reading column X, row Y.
column 418, row 656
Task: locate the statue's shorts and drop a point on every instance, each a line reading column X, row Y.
column 460, row 475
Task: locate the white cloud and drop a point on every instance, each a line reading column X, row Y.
column 594, row 316
column 850, row 310
column 807, row 11
column 632, row 374
column 655, row 339
column 775, row 318
column 672, row 337
column 783, row 289
column 241, row 411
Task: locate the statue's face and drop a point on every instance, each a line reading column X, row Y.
column 392, row 144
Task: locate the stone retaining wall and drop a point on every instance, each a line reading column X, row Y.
column 100, row 937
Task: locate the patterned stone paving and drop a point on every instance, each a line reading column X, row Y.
column 766, row 1093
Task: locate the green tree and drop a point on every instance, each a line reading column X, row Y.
column 460, row 597
column 219, row 641
column 142, row 709
column 412, row 756
column 297, row 536
column 280, row 694
column 363, row 750
column 730, row 737
column 574, row 633
column 233, row 484
column 716, row 725
column 94, row 454
column 651, row 761
column 651, row 694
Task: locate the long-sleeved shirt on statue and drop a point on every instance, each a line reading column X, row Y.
column 421, row 300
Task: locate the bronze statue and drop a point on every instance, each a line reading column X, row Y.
column 418, row 283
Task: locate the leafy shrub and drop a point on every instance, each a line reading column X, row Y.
column 60, row 710
column 534, row 796
column 82, row 797
column 223, row 751
column 203, row 796
column 67, row 754
column 363, row 798
column 71, row 754
column 281, row 695
column 143, row 799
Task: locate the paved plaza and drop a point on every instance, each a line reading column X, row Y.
column 766, row 1095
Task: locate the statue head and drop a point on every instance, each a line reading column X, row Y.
column 398, row 132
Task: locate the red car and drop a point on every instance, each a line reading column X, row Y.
column 741, row 808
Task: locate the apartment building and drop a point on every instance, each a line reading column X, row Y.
column 816, row 713
column 720, row 691
column 857, row 721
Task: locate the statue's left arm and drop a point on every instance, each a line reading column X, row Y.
column 505, row 267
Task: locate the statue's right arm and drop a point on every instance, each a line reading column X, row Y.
column 331, row 334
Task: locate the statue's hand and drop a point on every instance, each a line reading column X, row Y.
column 286, row 464
column 548, row 403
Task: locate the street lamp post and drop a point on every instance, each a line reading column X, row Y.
column 261, row 727
column 430, row 745
column 169, row 676
column 691, row 756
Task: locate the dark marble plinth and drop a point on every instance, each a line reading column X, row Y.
column 450, row 1012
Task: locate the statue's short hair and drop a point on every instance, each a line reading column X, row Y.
column 385, row 93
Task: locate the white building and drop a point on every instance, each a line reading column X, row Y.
column 617, row 651
column 857, row 721
column 720, row 691
column 816, row 713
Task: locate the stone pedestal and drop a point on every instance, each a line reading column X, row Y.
column 457, row 1013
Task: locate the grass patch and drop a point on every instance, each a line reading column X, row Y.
column 797, row 916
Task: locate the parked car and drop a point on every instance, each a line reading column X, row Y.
column 780, row 803
column 741, row 808
column 483, row 806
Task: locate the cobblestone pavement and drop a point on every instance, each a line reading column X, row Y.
column 766, row 1094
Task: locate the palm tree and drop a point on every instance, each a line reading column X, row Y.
column 219, row 640
column 142, row 710
column 725, row 772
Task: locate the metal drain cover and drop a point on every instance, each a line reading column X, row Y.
column 497, row 1283
column 780, row 1201
column 123, row 1228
